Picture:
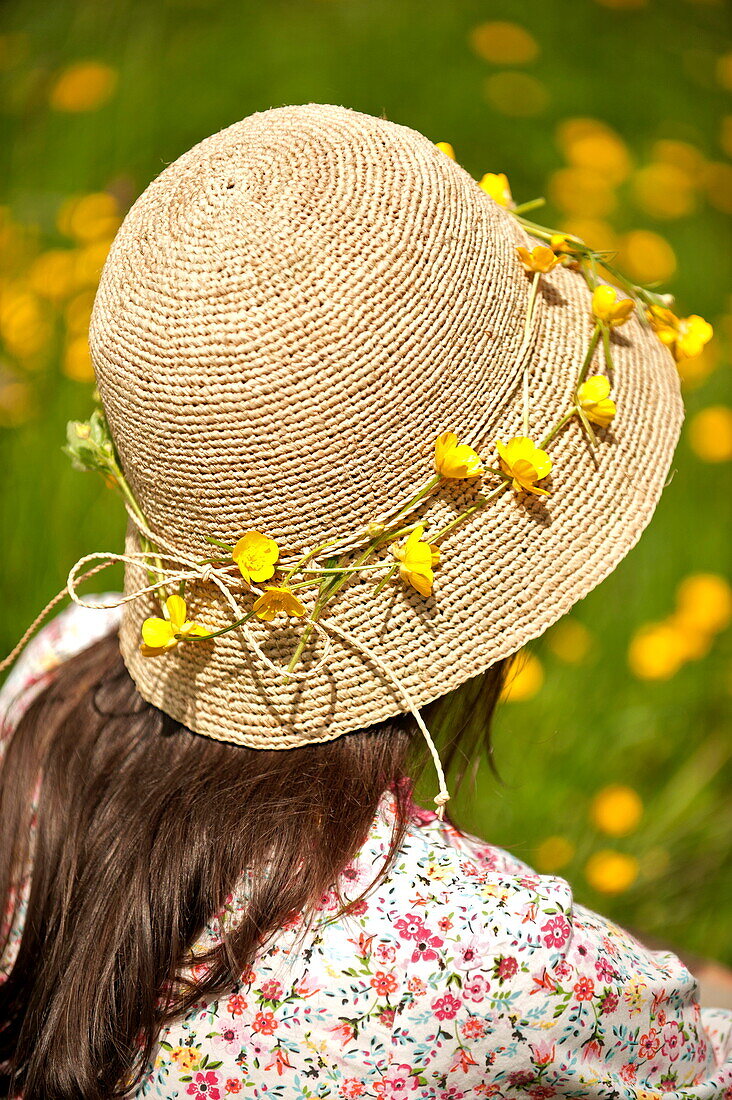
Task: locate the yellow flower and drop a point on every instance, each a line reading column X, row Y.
column 525, row 678
column 609, row 307
column 159, row 635
column 416, row 562
column 454, row 459
column 524, row 463
column 83, row 86
column 497, row 187
column 553, row 853
column 616, row 810
column 705, row 602
column 611, row 872
column 256, row 556
column 685, row 337
column 541, row 258
column 446, row 148
column 593, row 397
column 274, row 601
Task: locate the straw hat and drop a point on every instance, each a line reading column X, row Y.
column 290, row 315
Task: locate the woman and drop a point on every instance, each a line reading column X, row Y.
column 293, row 319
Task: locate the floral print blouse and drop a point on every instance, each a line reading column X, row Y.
column 464, row 974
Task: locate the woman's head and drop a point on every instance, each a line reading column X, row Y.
column 141, row 830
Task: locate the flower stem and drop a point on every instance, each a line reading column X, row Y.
column 588, row 356
column 528, row 324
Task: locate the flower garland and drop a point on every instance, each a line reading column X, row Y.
column 304, row 587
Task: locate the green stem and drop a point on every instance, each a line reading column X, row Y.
column 597, row 331
column 385, row 579
column 528, row 323
column 533, row 204
column 218, row 542
column 606, row 348
column 480, row 503
column 557, row 427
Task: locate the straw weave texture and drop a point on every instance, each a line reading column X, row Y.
column 289, row 316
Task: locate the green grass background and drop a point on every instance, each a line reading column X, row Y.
column 187, row 68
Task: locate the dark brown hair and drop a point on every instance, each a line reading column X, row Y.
column 142, row 830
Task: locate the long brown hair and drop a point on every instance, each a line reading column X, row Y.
column 142, row 830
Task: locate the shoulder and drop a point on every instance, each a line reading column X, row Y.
column 66, row 634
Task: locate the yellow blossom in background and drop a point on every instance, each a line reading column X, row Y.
column 616, row 810
column 52, row 274
column 610, row 308
column 256, row 556
column 25, row 326
column 277, row 601
column 17, row 403
column 657, row 651
column 646, row 257
column 704, row 601
column 524, row 680
column 446, row 148
column 517, row 95
column 596, row 147
column 504, row 43
column 525, row 463
column 664, row 191
column 593, row 397
column 582, row 192
column 83, row 86
column 693, row 371
column 78, row 313
column 77, row 362
column 455, row 459
column 596, row 233
column 541, row 258
column 682, row 155
column 89, row 261
column 87, row 218
column 416, row 560
column 496, row 185
column 552, row 854
column 611, row 872
column 710, row 434
column 718, row 186
column 570, row 641
column 160, row 635
column 724, row 71
column 725, row 135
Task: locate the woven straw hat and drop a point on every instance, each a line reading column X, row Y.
column 288, row 318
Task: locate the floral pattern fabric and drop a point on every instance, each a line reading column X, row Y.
column 464, row 974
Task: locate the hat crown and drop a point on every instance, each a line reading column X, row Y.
column 290, row 314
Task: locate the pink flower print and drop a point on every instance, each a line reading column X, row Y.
column 556, row 931
column 397, row 1083
column 471, row 953
column 542, row 1054
column 672, row 1039
column 265, row 1023
column 649, row 1044
column 307, row 987
column 384, row 982
column 385, row 952
column 344, row 1031
column 271, row 990
column 507, row 967
column 584, row 989
column 474, row 1028
column 351, row 1088
column 446, row 1007
column 205, row 1084
column 563, row 970
column 628, row 1072
column 425, row 948
column 609, row 1003
column 231, row 1038
column 411, row 927
column 452, row 1093
column 520, row 1078
column 387, row 1017
column 604, row 970
column 541, row 1092
column 476, row 988
column 444, row 924
column 416, row 986
column 233, row 1085
column 236, row 1004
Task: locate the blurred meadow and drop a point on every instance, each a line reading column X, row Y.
column 614, row 743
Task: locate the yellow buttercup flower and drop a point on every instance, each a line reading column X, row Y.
column 497, row 187
column 593, row 397
column 446, row 148
column 541, row 258
column 524, row 463
column 256, row 556
column 274, row 601
column 159, row 635
column 685, row 337
column 609, row 307
column 416, row 560
column 455, row 459
column 616, row 810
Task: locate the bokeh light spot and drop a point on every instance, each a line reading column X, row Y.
column 504, row 43
column 646, row 256
column 710, row 434
column 83, row 86
column 516, row 94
